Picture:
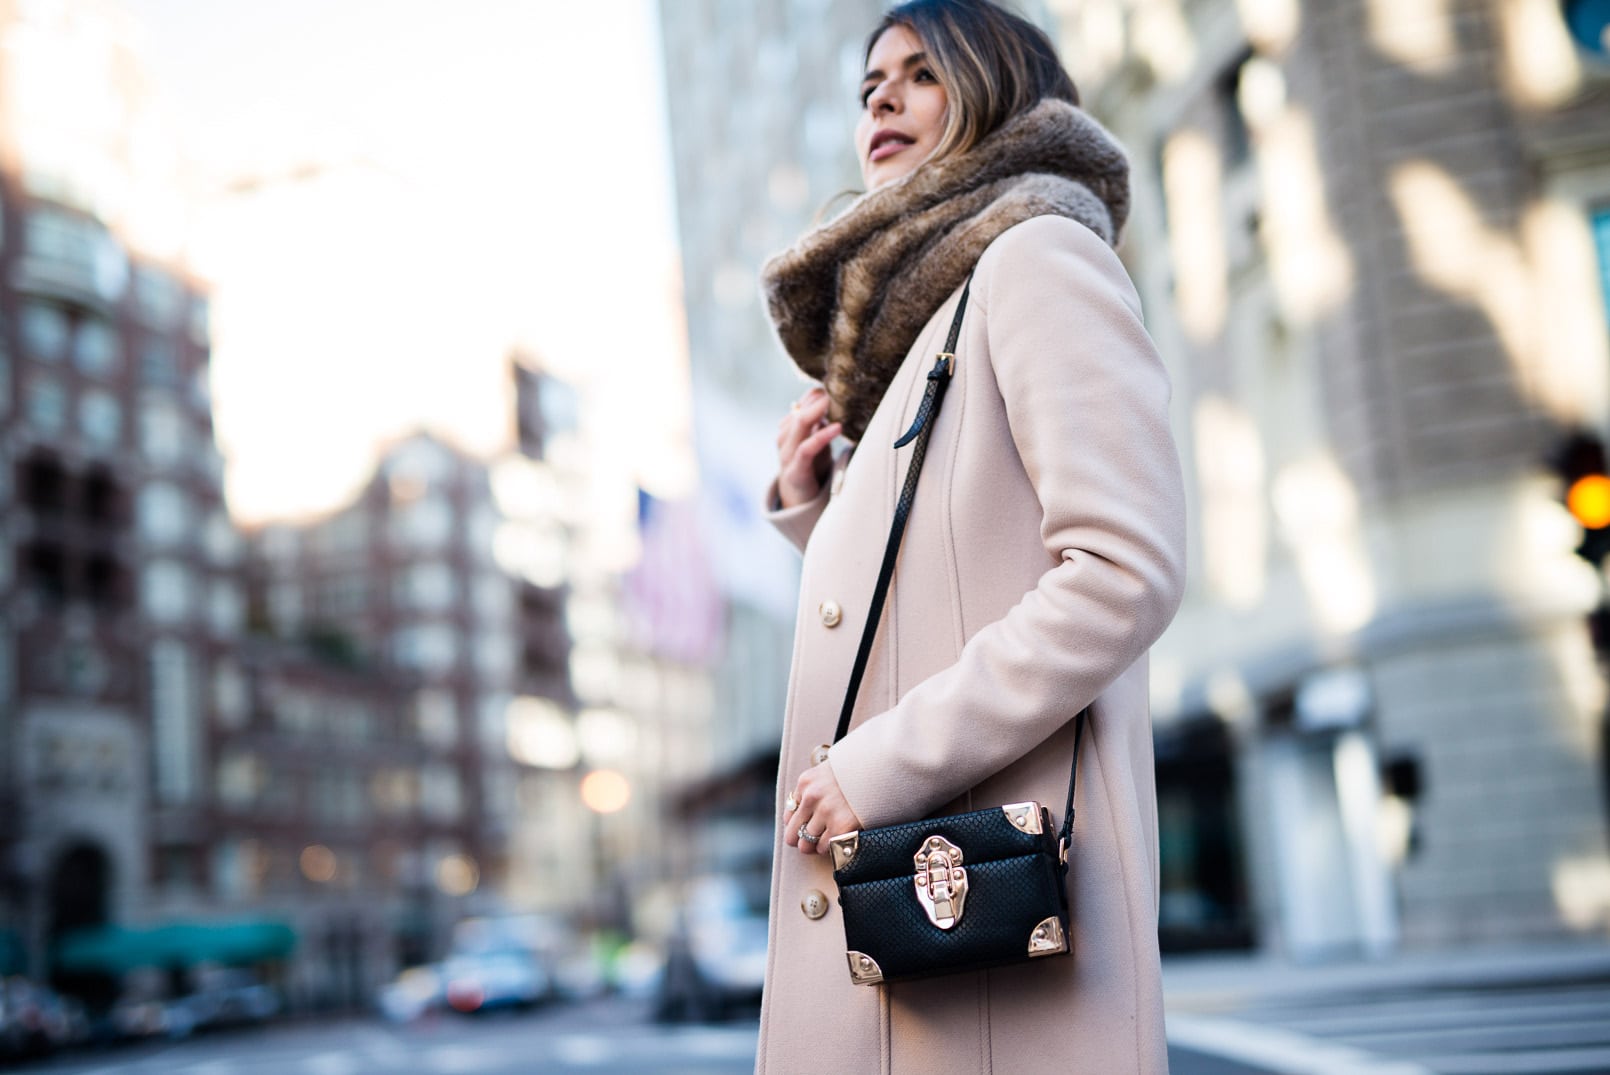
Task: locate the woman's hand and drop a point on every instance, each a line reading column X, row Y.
column 803, row 460
column 819, row 806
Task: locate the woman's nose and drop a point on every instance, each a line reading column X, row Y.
column 884, row 99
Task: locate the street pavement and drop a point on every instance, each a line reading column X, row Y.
column 599, row 1039
column 1540, row 1010
column 1534, row 1011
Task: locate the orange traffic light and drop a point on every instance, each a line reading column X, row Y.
column 1588, row 499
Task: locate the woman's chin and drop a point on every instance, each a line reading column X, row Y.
column 882, row 174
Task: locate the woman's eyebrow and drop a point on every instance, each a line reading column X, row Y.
column 876, row 75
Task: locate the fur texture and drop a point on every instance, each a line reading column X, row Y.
column 850, row 296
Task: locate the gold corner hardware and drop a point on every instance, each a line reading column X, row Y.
column 864, row 970
column 1048, row 939
column 844, row 848
column 1025, row 817
column 941, row 882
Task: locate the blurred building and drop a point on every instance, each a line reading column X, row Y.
column 762, row 109
column 120, row 595
column 402, row 581
column 1364, row 235
column 632, row 725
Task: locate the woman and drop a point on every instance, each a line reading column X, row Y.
column 1042, row 558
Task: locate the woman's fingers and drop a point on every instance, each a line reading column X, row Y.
column 818, row 805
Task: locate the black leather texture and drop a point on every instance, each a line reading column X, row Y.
column 1014, row 882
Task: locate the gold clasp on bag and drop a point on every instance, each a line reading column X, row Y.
column 941, row 882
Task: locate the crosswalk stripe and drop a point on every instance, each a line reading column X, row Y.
column 1275, row 1049
column 1350, row 1020
column 1542, row 1062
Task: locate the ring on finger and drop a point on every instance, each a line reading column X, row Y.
column 805, row 834
column 790, row 804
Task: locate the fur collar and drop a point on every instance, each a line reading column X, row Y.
column 849, row 298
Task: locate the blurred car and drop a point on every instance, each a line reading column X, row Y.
column 35, row 1020
column 716, row 956
column 224, row 997
column 486, row 981
column 415, row 992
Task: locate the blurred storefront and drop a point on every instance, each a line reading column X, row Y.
column 1365, row 239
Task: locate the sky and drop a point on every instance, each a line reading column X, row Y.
column 395, row 193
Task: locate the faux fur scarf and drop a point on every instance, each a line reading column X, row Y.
column 849, row 298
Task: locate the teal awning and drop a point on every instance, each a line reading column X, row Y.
column 117, row 949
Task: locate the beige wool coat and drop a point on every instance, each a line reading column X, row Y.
column 1043, row 557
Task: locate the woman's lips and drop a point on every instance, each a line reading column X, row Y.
column 888, row 148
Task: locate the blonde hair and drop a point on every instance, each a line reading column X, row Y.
column 992, row 63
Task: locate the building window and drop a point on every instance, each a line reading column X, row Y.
column 43, row 485
column 240, row 780
column 173, row 715
column 157, row 296
column 166, row 592
column 159, row 362
column 285, row 607
column 44, row 331
column 201, row 322
column 161, row 433
column 427, row 587
column 1235, row 139
column 47, row 405
column 424, row 523
column 103, row 581
column 95, row 347
column 45, row 571
column 102, row 499
column 439, row 793
column 230, row 700
column 227, row 608
column 436, row 718
column 100, row 418
column 164, row 513
column 429, row 648
column 223, row 543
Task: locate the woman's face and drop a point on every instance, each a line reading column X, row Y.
column 902, row 109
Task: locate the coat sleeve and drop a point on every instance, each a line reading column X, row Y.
column 797, row 522
column 1086, row 400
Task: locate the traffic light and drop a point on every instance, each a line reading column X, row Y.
column 1581, row 464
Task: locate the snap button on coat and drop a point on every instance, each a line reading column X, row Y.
column 832, row 615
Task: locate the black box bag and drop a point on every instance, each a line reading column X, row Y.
column 963, row 892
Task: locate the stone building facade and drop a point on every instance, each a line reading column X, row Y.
column 1364, row 239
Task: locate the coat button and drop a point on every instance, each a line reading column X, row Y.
column 831, row 613
column 819, row 755
column 814, row 904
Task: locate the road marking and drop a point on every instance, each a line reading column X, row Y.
column 1279, row 1050
column 461, row 1059
column 336, row 1063
column 1550, row 1061
column 583, row 1050
column 384, row 1049
column 712, row 1044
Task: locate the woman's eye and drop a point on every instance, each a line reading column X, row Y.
column 866, row 95
column 925, row 75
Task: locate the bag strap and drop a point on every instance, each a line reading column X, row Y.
column 921, row 427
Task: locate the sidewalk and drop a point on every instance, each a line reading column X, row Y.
column 1469, row 1010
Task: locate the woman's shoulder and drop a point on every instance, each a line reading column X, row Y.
column 1050, row 247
